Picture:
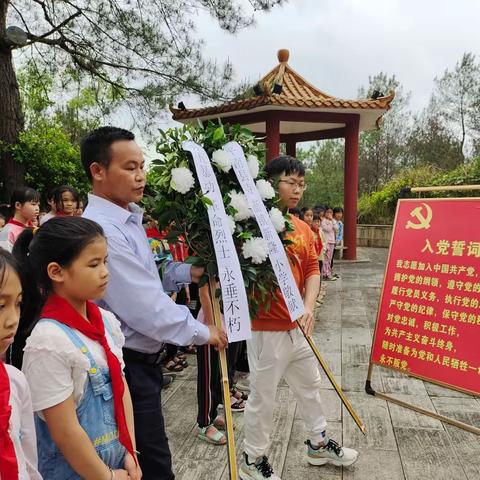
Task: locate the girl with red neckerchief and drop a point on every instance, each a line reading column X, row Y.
column 25, row 204
column 18, row 444
column 73, row 358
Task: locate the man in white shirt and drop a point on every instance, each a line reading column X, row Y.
column 114, row 162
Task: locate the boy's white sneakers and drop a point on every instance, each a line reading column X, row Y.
column 331, row 453
column 259, row 470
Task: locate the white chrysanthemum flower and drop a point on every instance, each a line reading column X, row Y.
column 256, row 249
column 222, row 160
column 231, row 223
column 182, row 179
column 265, row 189
column 278, row 220
column 239, row 202
column 253, row 165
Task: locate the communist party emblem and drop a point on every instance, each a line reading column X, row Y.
column 423, row 214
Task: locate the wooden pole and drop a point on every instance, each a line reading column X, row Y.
column 458, row 188
column 232, row 457
column 291, row 148
column 350, row 192
column 334, row 383
column 415, row 408
column 272, row 129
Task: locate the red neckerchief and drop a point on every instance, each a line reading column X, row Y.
column 20, row 224
column 57, row 308
column 153, row 233
column 318, row 239
column 8, row 458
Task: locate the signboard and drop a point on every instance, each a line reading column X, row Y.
column 428, row 322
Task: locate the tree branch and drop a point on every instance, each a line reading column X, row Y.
column 47, row 41
column 63, row 24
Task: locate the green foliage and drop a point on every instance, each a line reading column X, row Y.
column 324, row 162
column 379, row 207
column 381, row 150
column 49, row 147
column 185, row 214
column 50, row 158
column 431, row 143
column 462, row 175
column 456, row 100
column 35, row 88
column 85, row 109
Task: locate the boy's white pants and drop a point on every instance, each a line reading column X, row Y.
column 271, row 356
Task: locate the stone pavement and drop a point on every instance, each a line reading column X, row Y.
column 400, row 444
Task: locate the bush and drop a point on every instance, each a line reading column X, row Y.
column 50, row 158
column 379, row 207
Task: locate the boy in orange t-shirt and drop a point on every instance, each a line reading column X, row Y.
column 278, row 349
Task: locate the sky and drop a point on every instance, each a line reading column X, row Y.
column 337, row 44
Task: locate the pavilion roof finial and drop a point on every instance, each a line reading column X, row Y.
column 283, row 55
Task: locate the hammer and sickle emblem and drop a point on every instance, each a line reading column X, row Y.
column 424, row 220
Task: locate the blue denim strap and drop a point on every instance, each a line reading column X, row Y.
column 76, row 340
column 108, row 327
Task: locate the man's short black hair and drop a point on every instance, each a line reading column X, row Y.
column 284, row 164
column 95, row 146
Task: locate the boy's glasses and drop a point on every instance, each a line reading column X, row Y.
column 293, row 184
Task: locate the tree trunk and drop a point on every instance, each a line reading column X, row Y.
column 11, row 119
column 462, row 141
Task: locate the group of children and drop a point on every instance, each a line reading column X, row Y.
column 88, row 394
column 24, row 211
column 327, row 226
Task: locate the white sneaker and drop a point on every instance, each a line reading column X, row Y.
column 259, row 470
column 332, row 453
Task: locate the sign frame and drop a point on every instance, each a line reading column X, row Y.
column 368, row 384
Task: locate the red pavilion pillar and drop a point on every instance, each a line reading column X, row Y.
column 272, row 130
column 291, row 148
column 351, row 188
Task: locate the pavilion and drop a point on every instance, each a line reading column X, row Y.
column 284, row 108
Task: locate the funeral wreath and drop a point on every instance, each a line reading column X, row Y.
column 178, row 204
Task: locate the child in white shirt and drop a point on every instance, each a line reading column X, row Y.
column 18, row 451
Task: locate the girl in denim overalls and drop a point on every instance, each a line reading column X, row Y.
column 73, row 358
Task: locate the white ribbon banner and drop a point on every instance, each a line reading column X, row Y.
column 235, row 303
column 276, row 251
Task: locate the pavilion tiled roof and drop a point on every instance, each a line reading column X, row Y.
column 295, row 92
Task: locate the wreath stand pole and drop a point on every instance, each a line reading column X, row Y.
column 334, row 383
column 232, row 457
